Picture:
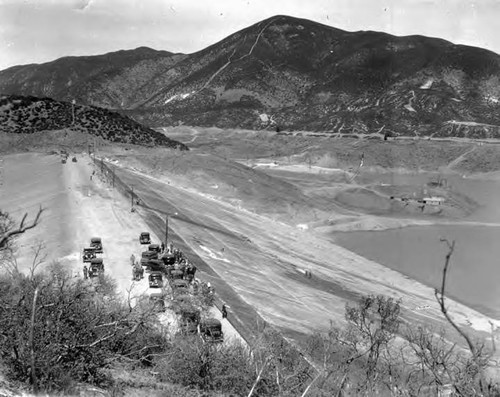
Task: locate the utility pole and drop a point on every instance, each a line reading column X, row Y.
column 73, row 111
column 132, row 199
column 166, row 230
column 102, row 165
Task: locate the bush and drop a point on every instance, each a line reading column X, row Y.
column 79, row 329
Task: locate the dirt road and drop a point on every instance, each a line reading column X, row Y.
column 78, row 204
column 264, row 262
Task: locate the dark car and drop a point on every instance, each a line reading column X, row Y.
column 154, row 247
column 145, row 238
column 155, row 265
column 177, row 274
column 88, row 254
column 155, row 280
column 168, row 259
column 210, row 330
column 157, row 299
column 96, row 267
column 179, row 287
column 146, row 256
column 189, row 319
column 96, row 244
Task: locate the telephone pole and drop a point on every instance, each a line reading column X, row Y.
column 166, row 229
column 132, row 199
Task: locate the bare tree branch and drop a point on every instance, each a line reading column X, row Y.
column 440, row 296
column 7, row 235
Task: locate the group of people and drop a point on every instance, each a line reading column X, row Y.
column 181, row 263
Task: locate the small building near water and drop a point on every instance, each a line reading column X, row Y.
column 433, row 200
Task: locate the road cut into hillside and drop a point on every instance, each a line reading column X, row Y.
column 78, row 203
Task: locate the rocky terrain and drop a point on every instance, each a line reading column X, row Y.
column 290, row 74
column 29, row 115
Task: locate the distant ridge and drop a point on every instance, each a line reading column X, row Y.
column 288, row 73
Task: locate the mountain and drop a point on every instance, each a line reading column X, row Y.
column 27, row 115
column 108, row 80
column 295, row 74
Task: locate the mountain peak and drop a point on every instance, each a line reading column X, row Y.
column 293, row 73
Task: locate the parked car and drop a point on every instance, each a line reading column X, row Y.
column 96, row 267
column 88, row 254
column 154, row 247
column 145, row 238
column 146, row 256
column 189, row 319
column 157, row 299
column 210, row 330
column 155, row 280
column 179, row 287
column 177, row 274
column 96, row 244
column 168, row 259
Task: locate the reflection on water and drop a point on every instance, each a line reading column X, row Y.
column 474, row 276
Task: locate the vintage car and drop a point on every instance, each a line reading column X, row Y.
column 177, row 274
column 155, row 265
column 154, row 247
column 96, row 267
column 189, row 319
column 146, row 256
column 96, row 244
column 157, row 299
column 168, row 259
column 155, row 280
column 88, row 254
column 179, row 287
column 145, row 238
column 210, row 330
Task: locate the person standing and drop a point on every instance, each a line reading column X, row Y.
column 85, row 272
column 224, row 311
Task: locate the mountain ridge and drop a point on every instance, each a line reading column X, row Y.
column 294, row 74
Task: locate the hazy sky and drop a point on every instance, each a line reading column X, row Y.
column 35, row 31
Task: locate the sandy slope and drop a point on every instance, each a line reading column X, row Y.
column 264, row 261
column 76, row 209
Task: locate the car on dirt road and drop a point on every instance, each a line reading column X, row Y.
column 157, row 299
column 179, row 287
column 145, row 238
column 210, row 330
column 177, row 274
column 155, row 265
column 88, row 254
column 189, row 319
column 155, row 280
column 154, row 247
column 168, row 259
column 96, row 267
column 146, row 256
column 73, row 159
column 96, row 244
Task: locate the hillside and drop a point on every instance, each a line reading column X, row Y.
column 296, row 74
column 28, row 115
column 108, row 80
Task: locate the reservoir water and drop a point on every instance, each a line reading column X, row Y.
column 474, row 274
